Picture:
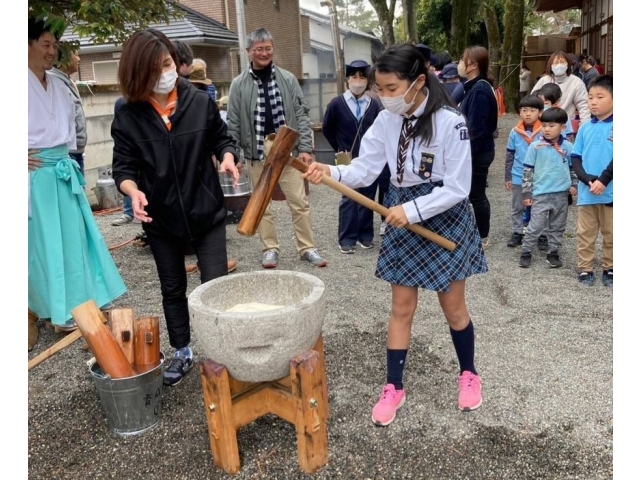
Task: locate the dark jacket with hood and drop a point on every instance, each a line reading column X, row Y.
column 174, row 168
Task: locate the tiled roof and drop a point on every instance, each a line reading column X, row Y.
column 323, row 47
column 554, row 5
column 324, row 19
column 193, row 25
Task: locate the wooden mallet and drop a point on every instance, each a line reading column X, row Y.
column 278, row 159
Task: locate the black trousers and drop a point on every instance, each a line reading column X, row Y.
column 168, row 253
column 79, row 157
column 355, row 222
column 480, row 164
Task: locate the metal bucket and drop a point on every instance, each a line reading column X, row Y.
column 226, row 182
column 105, row 189
column 133, row 405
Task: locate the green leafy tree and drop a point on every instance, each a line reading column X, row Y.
column 409, row 21
column 549, row 23
column 385, row 9
column 489, row 10
column 512, row 51
column 435, row 25
column 357, row 14
column 102, row 20
column 460, row 15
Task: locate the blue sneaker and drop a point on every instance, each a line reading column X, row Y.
column 180, row 364
column 607, row 278
column 348, row 249
column 586, row 279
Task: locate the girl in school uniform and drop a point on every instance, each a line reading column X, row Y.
column 425, row 142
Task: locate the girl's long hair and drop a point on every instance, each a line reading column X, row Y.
column 407, row 63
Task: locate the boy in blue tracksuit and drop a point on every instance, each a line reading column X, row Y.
column 520, row 137
column 592, row 157
column 546, row 181
column 550, row 94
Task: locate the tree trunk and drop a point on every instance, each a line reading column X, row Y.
column 490, row 18
column 385, row 15
column 410, row 21
column 512, row 52
column 460, row 14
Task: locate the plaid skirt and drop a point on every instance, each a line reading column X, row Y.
column 410, row 260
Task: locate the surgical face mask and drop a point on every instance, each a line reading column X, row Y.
column 166, row 82
column 357, row 88
column 397, row 104
column 462, row 70
column 559, row 69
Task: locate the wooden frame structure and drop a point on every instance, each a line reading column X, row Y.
column 300, row 398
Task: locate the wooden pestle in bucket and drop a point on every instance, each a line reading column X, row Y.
column 108, row 353
column 146, row 332
column 122, row 328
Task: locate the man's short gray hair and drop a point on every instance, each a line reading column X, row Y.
column 199, row 61
column 259, row 35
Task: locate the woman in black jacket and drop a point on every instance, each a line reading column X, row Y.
column 164, row 137
column 480, row 108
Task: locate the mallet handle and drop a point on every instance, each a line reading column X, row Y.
column 376, row 207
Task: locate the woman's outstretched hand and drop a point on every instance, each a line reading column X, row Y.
column 228, row 166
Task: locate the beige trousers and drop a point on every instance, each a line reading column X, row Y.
column 292, row 186
column 594, row 219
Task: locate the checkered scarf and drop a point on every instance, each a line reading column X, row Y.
column 275, row 99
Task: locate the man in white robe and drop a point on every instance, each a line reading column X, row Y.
column 69, row 262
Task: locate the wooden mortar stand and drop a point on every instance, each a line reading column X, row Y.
column 300, row 398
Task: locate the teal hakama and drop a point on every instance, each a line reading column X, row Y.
column 69, row 262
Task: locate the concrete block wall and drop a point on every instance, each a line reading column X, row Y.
column 98, row 110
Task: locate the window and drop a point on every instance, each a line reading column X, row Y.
column 106, row 73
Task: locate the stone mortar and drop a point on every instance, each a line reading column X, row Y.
column 258, row 346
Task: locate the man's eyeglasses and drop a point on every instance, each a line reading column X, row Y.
column 262, row 50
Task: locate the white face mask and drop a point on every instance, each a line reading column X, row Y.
column 357, row 88
column 397, row 104
column 559, row 69
column 462, row 70
column 166, row 82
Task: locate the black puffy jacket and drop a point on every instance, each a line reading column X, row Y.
column 174, row 168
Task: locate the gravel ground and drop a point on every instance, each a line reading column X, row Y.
column 546, row 363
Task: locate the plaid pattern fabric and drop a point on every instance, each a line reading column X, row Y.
column 403, row 146
column 275, row 101
column 410, row 260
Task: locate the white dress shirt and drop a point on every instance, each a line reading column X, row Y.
column 352, row 101
column 52, row 120
column 449, row 148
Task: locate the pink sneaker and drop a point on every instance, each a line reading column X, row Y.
column 469, row 391
column 390, row 401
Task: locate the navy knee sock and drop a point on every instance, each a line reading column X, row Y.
column 395, row 367
column 463, row 341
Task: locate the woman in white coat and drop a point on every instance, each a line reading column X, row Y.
column 574, row 93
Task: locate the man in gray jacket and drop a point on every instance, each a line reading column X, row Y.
column 261, row 100
column 64, row 69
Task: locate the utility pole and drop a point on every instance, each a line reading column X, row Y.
column 337, row 44
column 242, row 35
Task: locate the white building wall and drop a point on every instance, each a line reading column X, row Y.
column 357, row 48
column 320, row 33
column 310, row 65
column 326, row 64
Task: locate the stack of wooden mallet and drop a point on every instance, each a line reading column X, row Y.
column 123, row 346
